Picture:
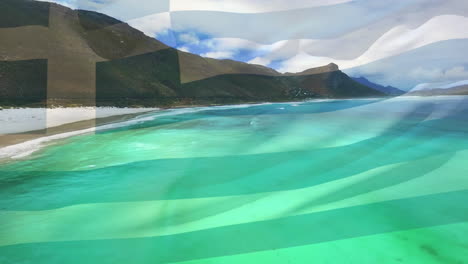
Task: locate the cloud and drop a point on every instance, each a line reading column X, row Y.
column 236, row 48
column 295, row 57
column 455, row 84
column 248, row 6
column 91, row 4
column 231, row 43
column 439, row 85
column 401, row 39
column 396, row 41
column 458, row 72
column 184, row 49
column 432, row 73
column 427, row 86
column 218, row 55
column 152, row 25
column 337, row 33
column 260, row 61
column 189, row 38
column 321, row 22
column 303, row 61
column 443, row 61
column 147, row 7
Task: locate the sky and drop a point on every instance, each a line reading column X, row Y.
column 409, row 44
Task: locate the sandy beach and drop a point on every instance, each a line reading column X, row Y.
column 24, row 124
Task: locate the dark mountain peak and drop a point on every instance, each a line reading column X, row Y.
column 333, row 67
column 362, row 78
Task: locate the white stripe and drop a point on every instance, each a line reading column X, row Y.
column 157, row 218
column 398, row 40
column 248, row 6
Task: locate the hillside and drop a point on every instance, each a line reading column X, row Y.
column 390, row 90
column 83, row 57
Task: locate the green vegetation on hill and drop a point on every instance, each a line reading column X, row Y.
column 112, row 39
column 154, row 79
column 17, row 13
column 23, row 82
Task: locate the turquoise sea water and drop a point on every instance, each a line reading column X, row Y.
column 338, row 181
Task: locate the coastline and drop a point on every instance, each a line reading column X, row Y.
column 11, row 139
column 18, row 145
column 24, row 135
column 22, row 144
column 67, row 124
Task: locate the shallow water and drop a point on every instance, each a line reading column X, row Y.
column 338, row 181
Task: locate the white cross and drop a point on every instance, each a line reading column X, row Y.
column 71, row 62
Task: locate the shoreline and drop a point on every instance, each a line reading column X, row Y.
column 11, row 139
column 22, row 144
column 19, row 145
column 8, row 139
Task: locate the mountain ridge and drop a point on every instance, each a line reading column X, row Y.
column 94, row 59
column 390, row 90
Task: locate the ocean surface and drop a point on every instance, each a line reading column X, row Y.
column 332, row 181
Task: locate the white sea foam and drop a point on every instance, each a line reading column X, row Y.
column 27, row 148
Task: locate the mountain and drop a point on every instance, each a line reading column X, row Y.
column 390, row 90
column 55, row 55
column 457, row 90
